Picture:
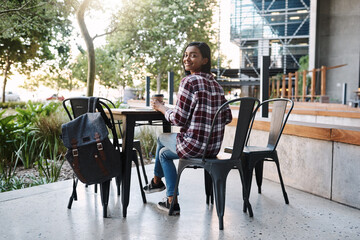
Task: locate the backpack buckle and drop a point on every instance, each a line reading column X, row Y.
column 75, row 152
column 99, row 146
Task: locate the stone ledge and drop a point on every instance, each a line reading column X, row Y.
column 343, row 134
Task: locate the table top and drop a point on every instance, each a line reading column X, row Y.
column 136, row 114
column 145, row 110
column 137, row 110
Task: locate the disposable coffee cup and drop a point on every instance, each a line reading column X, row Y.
column 159, row 97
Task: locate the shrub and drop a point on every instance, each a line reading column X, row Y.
column 8, row 180
column 41, row 123
column 31, row 136
column 29, row 148
column 147, row 137
column 8, row 136
column 12, row 105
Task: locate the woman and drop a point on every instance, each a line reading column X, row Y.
column 199, row 97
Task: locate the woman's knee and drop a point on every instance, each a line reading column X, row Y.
column 164, row 154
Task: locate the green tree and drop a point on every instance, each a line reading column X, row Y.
column 154, row 32
column 304, row 65
column 113, row 69
column 81, row 9
column 32, row 32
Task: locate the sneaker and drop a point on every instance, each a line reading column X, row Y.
column 152, row 187
column 165, row 206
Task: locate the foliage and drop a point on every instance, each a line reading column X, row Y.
column 304, row 65
column 112, row 69
column 35, row 124
column 33, row 111
column 50, row 168
column 80, row 67
column 38, row 32
column 155, row 32
column 12, row 183
column 54, row 76
column 147, row 137
column 50, row 126
column 8, row 132
column 8, row 180
column 12, row 105
column 29, row 150
column 41, row 123
column 31, row 136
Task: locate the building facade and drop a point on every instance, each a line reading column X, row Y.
column 327, row 31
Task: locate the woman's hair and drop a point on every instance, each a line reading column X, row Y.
column 205, row 53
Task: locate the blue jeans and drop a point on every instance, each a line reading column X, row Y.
column 164, row 164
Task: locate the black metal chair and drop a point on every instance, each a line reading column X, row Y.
column 254, row 156
column 81, row 106
column 217, row 168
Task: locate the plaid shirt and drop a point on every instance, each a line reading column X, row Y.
column 199, row 97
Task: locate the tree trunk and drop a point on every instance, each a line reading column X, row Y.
column 6, row 71
column 90, row 47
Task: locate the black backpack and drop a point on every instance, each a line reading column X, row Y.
column 90, row 153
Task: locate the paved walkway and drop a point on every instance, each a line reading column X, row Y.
column 41, row 213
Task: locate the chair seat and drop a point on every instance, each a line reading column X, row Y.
column 256, row 149
column 220, row 158
column 251, row 149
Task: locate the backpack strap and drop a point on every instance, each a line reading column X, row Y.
column 108, row 121
column 93, row 102
column 102, row 154
column 75, row 163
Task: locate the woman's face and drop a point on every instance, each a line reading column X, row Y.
column 193, row 59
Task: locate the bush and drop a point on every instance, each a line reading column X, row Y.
column 148, row 141
column 8, row 136
column 41, row 123
column 8, row 180
column 31, row 136
column 12, row 105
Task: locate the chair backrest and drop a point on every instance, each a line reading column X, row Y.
column 245, row 115
column 281, row 109
column 82, row 105
column 78, row 106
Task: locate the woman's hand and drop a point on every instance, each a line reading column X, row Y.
column 158, row 106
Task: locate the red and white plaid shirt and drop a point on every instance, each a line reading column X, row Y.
column 199, row 97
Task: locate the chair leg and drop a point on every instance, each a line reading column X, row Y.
column 181, row 167
column 208, row 188
column 135, row 160
column 73, row 194
column 246, row 202
column 220, row 189
column 259, row 174
column 246, row 175
column 138, row 148
column 281, row 180
column 105, row 192
column 118, row 182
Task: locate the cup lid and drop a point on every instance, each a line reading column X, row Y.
column 158, row 95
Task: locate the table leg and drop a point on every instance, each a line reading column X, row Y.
column 166, row 126
column 129, row 126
